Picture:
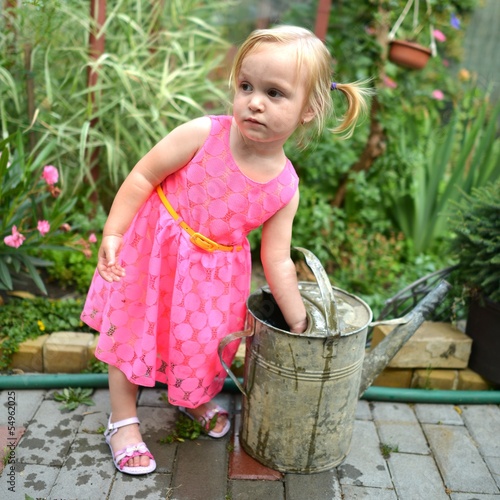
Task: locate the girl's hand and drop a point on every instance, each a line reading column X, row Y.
column 106, row 259
column 299, row 327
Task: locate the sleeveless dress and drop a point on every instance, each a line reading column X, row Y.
column 164, row 320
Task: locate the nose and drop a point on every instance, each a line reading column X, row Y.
column 256, row 102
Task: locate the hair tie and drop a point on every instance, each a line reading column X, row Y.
column 333, row 86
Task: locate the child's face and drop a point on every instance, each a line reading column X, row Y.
column 269, row 103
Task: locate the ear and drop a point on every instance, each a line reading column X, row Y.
column 307, row 115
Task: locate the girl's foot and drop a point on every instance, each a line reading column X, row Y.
column 128, row 436
column 205, row 413
column 130, row 453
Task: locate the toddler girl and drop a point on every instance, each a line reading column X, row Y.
column 174, row 266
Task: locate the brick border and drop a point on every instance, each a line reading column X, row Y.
column 71, row 352
column 58, row 352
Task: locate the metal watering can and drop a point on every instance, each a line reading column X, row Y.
column 301, row 390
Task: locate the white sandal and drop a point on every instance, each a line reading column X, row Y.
column 120, row 458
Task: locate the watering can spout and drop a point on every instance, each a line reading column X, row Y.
column 379, row 358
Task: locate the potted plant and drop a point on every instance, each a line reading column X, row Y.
column 476, row 224
column 407, row 51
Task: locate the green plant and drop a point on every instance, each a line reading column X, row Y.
column 433, row 165
column 32, row 211
column 72, row 398
column 96, row 366
column 186, row 428
column 387, row 449
column 159, row 68
column 21, row 319
column 73, row 269
column 476, row 225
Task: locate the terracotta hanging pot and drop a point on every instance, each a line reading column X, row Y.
column 409, row 54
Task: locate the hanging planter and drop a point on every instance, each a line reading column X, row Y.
column 407, row 52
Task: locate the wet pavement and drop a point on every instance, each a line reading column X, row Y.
column 399, row 451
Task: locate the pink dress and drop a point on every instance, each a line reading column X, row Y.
column 164, row 320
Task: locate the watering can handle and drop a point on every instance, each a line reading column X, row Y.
column 223, row 343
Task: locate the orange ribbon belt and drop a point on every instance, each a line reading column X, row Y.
column 196, row 238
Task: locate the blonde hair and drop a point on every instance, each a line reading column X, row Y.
column 313, row 61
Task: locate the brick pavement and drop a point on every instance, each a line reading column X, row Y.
column 434, row 452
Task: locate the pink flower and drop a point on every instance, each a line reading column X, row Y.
column 92, row 238
column 15, row 240
column 43, row 227
column 439, row 36
column 389, row 82
column 50, row 175
column 438, row 94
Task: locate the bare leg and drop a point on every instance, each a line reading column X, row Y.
column 123, row 396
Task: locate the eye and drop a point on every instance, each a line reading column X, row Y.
column 245, row 86
column 274, row 93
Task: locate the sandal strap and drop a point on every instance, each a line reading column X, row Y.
column 137, row 450
column 113, row 427
column 218, row 410
column 122, row 423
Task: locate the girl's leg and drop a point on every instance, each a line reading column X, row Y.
column 123, row 396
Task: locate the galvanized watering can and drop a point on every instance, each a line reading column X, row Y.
column 301, row 390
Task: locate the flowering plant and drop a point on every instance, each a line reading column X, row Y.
column 32, row 212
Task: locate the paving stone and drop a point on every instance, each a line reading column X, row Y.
column 91, row 349
column 157, row 424
column 201, row 470
column 424, row 481
column 398, row 426
column 483, row 423
column 438, row 414
column 313, row 486
column 435, row 344
column 445, row 380
column 363, row 411
column 364, row 465
column 458, row 459
column 351, row 492
column 29, row 357
column 242, row 465
column 395, row 377
column 472, row 496
column 9, row 438
column 471, row 381
column 253, row 490
column 493, row 464
column 96, row 417
column 153, row 397
column 87, row 472
column 49, row 435
column 26, row 404
column 149, row 487
column 29, row 479
column 66, row 352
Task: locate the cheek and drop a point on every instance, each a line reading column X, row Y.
column 238, row 102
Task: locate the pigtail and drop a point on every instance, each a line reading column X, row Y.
column 357, row 95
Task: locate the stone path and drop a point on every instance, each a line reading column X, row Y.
column 399, row 451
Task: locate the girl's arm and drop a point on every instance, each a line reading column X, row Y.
column 279, row 268
column 170, row 154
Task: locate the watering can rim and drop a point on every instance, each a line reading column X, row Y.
column 307, row 333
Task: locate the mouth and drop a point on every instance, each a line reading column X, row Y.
column 253, row 121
